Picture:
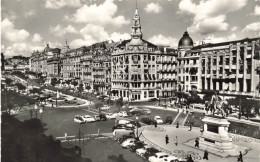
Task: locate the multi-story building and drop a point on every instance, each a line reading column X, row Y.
column 71, row 64
column 188, row 65
column 46, row 62
column 16, row 63
column 138, row 68
column 227, row 67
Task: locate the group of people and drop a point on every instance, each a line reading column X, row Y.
column 175, row 140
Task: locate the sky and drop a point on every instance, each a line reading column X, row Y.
column 28, row 25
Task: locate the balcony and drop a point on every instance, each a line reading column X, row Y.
column 233, row 67
column 145, row 61
column 227, row 66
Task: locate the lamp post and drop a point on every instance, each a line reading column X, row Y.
column 35, row 109
column 128, row 85
column 137, row 135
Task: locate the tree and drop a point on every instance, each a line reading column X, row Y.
column 8, row 81
column 35, row 90
column 20, row 86
column 80, row 88
column 119, row 103
column 98, row 105
column 54, row 81
column 88, row 88
column 75, row 83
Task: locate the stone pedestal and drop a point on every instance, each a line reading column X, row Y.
column 215, row 137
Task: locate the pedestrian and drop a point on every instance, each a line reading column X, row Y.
column 166, row 139
column 190, row 126
column 155, row 124
column 240, row 157
column 31, row 112
column 177, row 126
column 206, row 154
column 190, row 159
column 197, row 142
column 176, row 141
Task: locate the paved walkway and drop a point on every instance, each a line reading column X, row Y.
column 156, row 137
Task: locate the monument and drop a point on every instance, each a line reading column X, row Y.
column 215, row 138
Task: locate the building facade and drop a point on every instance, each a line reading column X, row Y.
column 227, row 67
column 139, row 69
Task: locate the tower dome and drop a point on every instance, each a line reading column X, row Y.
column 185, row 42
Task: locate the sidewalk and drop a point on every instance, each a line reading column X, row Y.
column 156, row 137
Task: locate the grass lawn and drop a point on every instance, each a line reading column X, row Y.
column 108, row 150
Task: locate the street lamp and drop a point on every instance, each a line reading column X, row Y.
column 35, row 109
column 137, row 135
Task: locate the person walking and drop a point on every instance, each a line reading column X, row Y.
column 177, row 125
column 240, row 157
column 197, row 142
column 206, row 154
column 176, row 141
column 155, row 124
column 190, row 159
column 166, row 139
column 190, row 126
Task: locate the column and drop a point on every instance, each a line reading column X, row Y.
column 211, row 73
column 245, row 68
column 230, row 65
column 253, row 68
column 217, row 71
column 199, row 73
column 206, row 69
column 237, row 67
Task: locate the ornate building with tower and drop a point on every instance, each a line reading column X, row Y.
column 141, row 70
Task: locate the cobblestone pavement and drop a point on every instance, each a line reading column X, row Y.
column 156, row 137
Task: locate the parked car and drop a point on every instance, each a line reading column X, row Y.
column 105, row 108
column 149, row 152
column 168, row 120
column 123, row 122
column 137, row 145
column 133, row 124
column 135, row 109
column 142, row 150
column 122, row 114
column 110, row 116
column 172, row 158
column 129, row 142
column 125, row 137
column 97, row 118
column 88, row 118
column 147, row 111
column 158, row 119
column 158, row 157
column 79, row 119
column 119, row 133
column 136, row 113
column 147, row 121
column 119, row 126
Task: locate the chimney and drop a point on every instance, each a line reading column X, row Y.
column 164, row 49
